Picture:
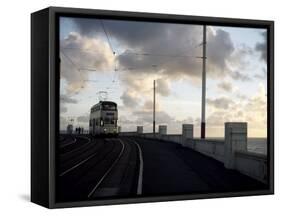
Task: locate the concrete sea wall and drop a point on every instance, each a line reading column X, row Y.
column 231, row 151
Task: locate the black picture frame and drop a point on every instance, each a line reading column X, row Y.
column 45, row 99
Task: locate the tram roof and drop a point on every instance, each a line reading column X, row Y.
column 105, row 103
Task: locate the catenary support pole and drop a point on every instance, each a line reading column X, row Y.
column 153, row 107
column 203, row 111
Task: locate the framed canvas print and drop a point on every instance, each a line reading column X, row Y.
column 138, row 107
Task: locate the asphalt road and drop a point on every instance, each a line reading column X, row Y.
column 129, row 167
column 101, row 167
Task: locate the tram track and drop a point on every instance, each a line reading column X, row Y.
column 107, row 167
column 108, row 170
column 79, row 150
column 68, row 143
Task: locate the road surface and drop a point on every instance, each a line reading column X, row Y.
column 98, row 168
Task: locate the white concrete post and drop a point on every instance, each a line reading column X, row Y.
column 139, row 129
column 162, row 129
column 187, row 131
column 235, row 140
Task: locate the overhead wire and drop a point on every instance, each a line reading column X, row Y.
column 108, row 37
column 76, row 67
column 109, row 42
column 160, row 55
column 70, row 60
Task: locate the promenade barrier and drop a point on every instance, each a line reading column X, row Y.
column 230, row 150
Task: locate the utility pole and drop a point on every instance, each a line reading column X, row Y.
column 154, row 107
column 203, row 121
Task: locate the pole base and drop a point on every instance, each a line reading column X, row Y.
column 203, row 130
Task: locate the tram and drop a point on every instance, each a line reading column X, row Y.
column 103, row 119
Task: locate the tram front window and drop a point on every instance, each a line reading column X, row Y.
column 109, row 121
column 109, row 107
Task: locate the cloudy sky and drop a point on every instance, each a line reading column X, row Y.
column 124, row 57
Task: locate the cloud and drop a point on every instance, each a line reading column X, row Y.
column 169, row 47
column 129, row 99
column 258, row 102
column 160, row 51
column 166, row 53
column 63, row 109
column 83, row 119
column 262, row 75
column 220, row 103
column 151, row 37
column 148, row 106
column 236, row 75
column 80, row 55
column 225, row 86
column 147, row 51
column 241, row 96
column 218, row 118
column 124, row 120
column 248, row 109
column 163, row 87
column 63, row 123
column 161, row 117
column 219, row 48
column 240, row 56
column 262, row 47
column 137, row 84
column 88, row 26
column 144, row 116
column 172, row 47
column 67, row 99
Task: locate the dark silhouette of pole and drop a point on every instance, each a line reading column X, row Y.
column 153, row 107
column 203, row 111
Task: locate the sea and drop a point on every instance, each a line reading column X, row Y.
column 257, row 145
